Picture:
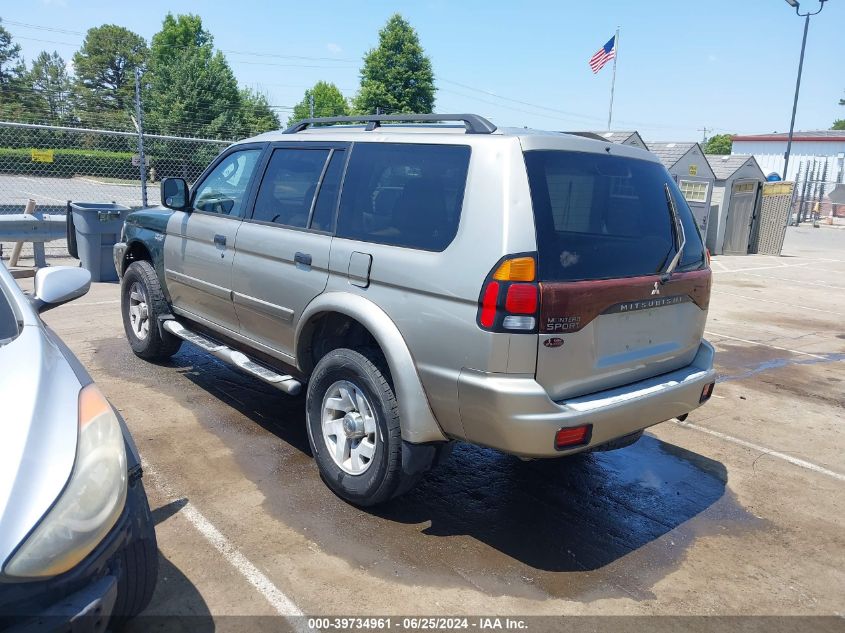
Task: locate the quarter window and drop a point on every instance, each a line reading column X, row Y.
column 404, row 194
column 693, row 190
column 225, row 189
column 289, row 185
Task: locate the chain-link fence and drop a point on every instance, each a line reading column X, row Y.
column 53, row 164
column 817, row 178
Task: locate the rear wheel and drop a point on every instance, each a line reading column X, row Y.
column 142, row 302
column 354, row 431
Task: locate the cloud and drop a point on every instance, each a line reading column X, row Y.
column 334, row 48
column 711, row 57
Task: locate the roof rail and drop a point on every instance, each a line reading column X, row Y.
column 474, row 124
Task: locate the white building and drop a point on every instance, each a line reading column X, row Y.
column 823, row 146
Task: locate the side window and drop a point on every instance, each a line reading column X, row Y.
column 404, row 194
column 225, row 189
column 289, row 185
column 323, row 219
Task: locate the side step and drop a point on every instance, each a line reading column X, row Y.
column 288, row 384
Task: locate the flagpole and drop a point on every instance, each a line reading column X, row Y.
column 613, row 81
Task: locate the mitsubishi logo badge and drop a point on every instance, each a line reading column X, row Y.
column 656, row 290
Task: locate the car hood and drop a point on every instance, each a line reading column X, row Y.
column 39, row 394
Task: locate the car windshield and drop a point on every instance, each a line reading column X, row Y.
column 8, row 320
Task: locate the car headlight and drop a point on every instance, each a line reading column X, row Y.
column 91, row 502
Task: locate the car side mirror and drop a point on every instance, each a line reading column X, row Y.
column 59, row 284
column 174, row 193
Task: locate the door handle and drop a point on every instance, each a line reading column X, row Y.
column 302, row 258
column 220, row 240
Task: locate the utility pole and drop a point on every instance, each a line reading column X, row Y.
column 704, row 132
column 139, row 116
column 311, row 105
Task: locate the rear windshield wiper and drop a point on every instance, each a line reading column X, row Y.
column 678, row 232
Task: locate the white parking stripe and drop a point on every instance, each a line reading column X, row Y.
column 783, row 303
column 783, row 349
column 283, row 605
column 756, row 447
column 742, row 270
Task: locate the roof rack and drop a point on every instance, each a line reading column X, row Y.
column 474, row 124
column 592, row 135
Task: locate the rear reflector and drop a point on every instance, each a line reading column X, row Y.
column 516, row 269
column 521, row 299
column 573, row 436
column 707, row 392
column 488, row 304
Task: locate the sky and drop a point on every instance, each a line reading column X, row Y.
column 727, row 65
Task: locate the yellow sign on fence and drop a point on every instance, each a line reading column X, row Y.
column 42, row 156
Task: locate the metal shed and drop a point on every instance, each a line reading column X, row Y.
column 692, row 172
column 734, row 203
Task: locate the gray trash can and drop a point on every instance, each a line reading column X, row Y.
column 98, row 227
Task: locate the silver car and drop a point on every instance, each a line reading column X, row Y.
column 535, row 292
column 77, row 544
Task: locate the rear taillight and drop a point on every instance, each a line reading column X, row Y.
column 510, row 296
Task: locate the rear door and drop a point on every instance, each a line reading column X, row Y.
column 605, row 233
column 282, row 249
column 199, row 246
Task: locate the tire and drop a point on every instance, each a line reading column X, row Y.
column 140, row 293
column 382, row 476
column 138, row 563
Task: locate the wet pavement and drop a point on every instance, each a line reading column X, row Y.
column 682, row 522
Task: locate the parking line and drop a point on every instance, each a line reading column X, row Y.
column 782, row 349
column 742, row 270
column 283, row 605
column 791, row 305
column 788, row 458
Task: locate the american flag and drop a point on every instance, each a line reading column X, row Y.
column 603, row 55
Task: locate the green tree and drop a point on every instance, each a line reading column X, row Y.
column 838, row 124
column 328, row 101
column 190, row 89
column 256, row 114
column 719, row 144
column 397, row 75
column 105, row 74
column 50, row 96
column 12, row 71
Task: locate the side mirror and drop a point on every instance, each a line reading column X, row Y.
column 59, row 284
column 174, row 193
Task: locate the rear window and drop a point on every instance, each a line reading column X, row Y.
column 404, row 194
column 599, row 217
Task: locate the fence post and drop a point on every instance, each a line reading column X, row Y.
column 16, row 251
column 139, row 115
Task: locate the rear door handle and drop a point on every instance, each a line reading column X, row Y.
column 220, row 240
column 302, row 258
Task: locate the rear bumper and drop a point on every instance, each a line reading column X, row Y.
column 516, row 415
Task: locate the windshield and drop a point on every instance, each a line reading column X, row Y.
column 8, row 320
column 599, row 216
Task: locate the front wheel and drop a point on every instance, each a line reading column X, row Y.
column 353, row 428
column 142, row 302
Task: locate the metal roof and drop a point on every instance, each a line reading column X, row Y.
column 670, row 153
column 811, row 135
column 724, row 165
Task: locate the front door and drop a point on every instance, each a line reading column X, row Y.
column 282, row 249
column 199, row 247
column 740, row 216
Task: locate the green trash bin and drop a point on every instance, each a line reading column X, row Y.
column 98, row 227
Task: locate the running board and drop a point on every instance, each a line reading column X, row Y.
column 288, row 384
